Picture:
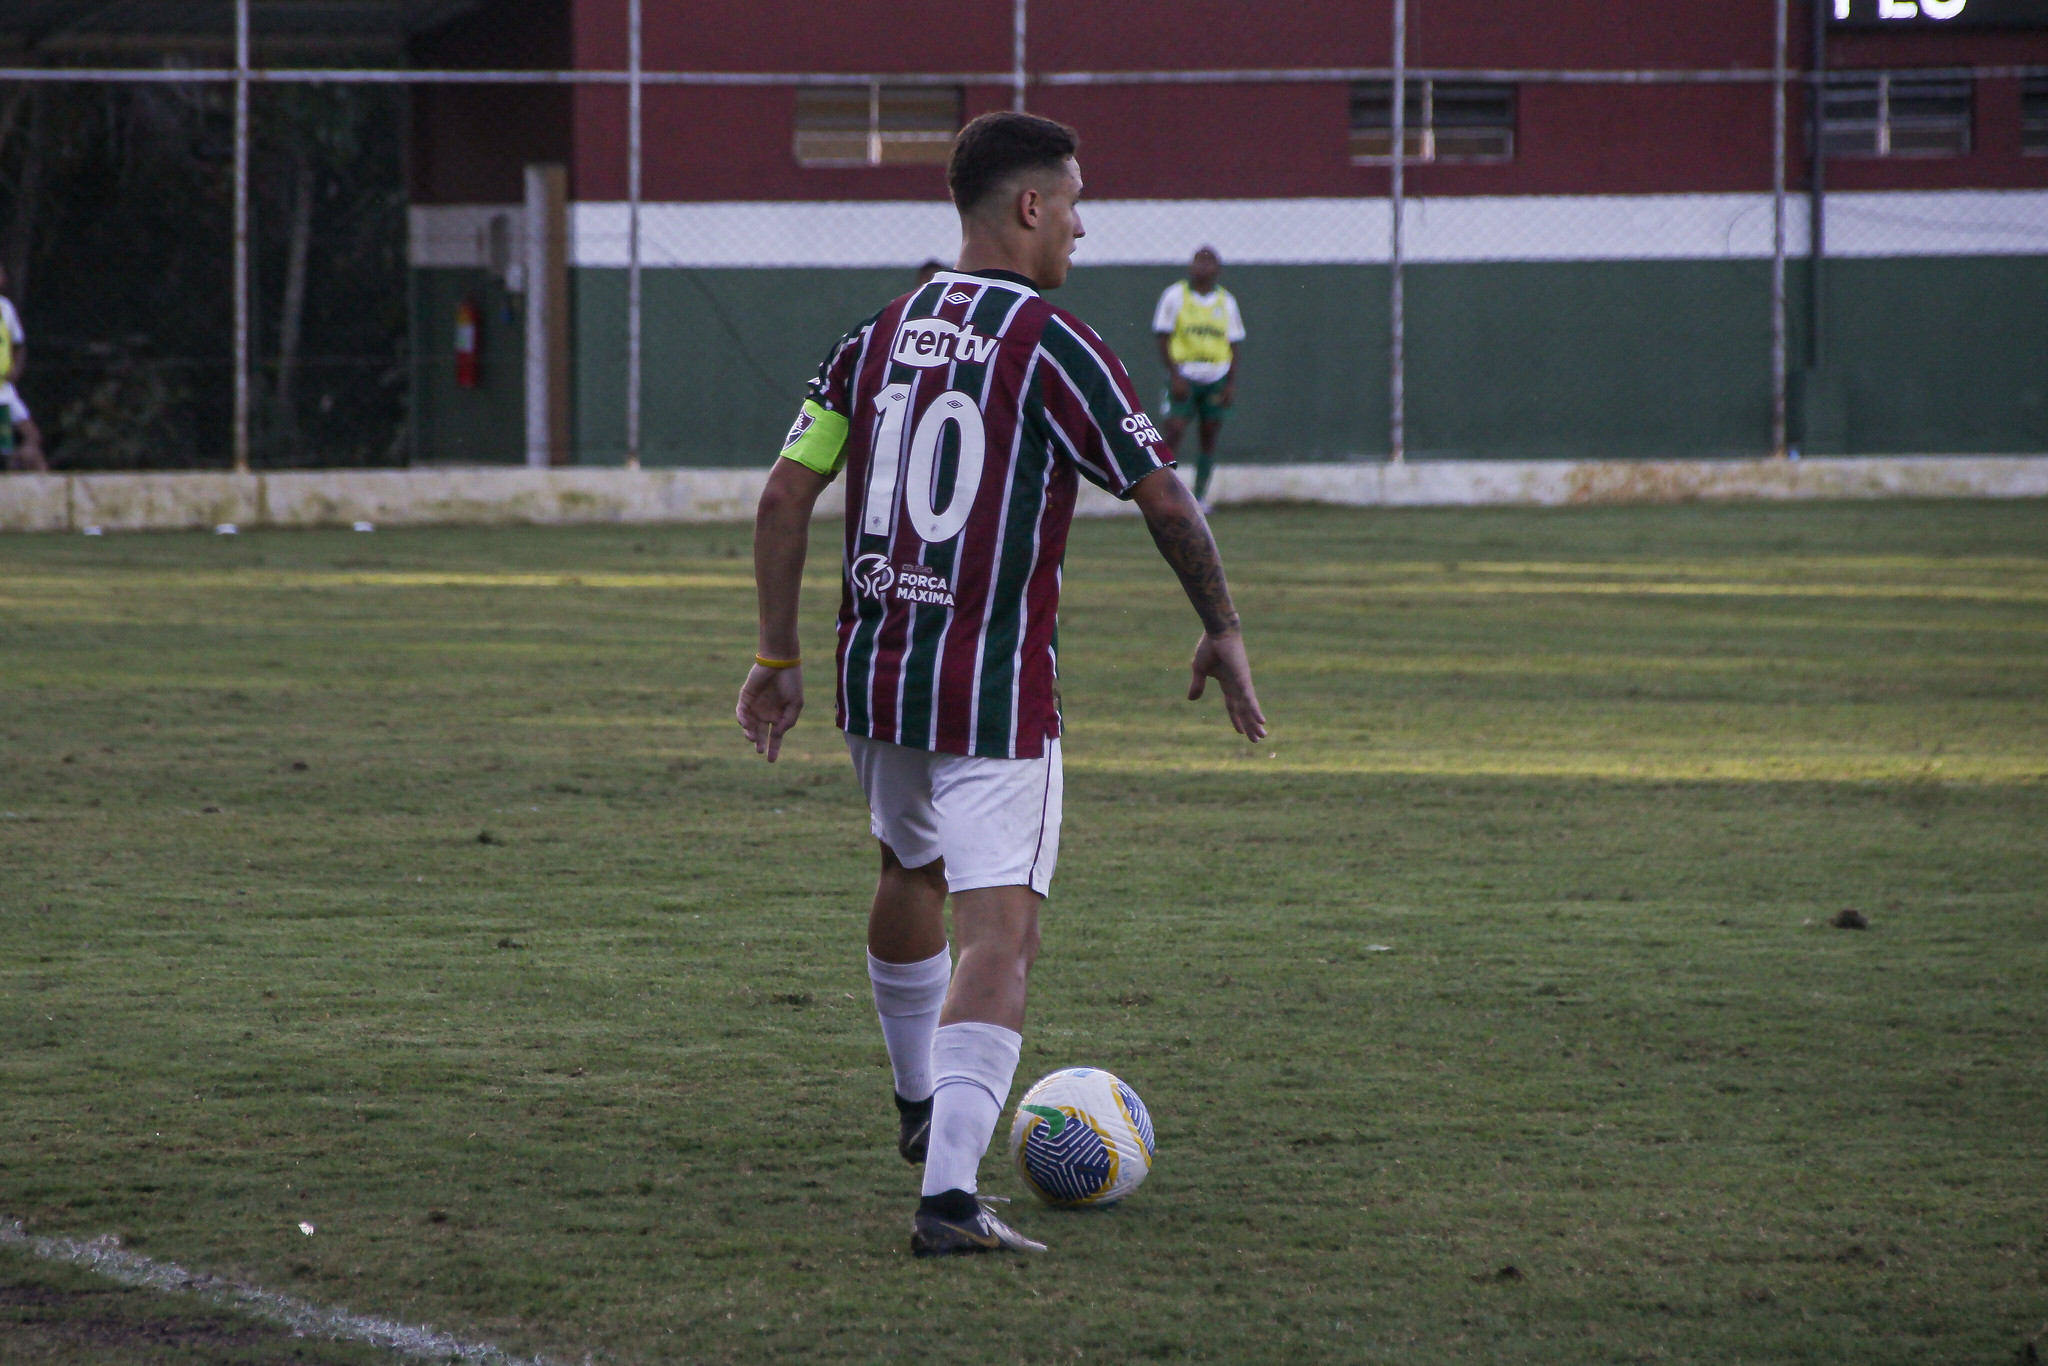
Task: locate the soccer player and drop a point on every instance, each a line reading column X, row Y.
column 13, row 342
column 21, row 441
column 1198, row 327
column 963, row 415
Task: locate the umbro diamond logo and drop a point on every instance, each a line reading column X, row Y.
column 958, row 297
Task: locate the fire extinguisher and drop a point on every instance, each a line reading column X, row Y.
column 468, row 343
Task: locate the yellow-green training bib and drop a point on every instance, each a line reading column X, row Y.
column 1201, row 334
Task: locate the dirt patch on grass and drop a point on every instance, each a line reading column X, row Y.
column 44, row 1323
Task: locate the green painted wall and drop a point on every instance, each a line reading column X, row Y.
column 1312, row 383
column 454, row 426
column 1566, row 360
column 727, row 353
column 1935, row 356
column 1513, row 360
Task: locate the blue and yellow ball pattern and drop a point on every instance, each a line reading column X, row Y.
column 1081, row 1136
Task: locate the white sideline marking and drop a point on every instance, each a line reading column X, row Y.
column 108, row 1258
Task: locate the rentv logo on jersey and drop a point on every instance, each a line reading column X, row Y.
column 926, row 342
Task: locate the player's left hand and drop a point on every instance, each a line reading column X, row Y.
column 770, row 702
column 1222, row 658
column 1227, row 397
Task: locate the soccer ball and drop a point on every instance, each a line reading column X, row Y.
column 1081, row 1136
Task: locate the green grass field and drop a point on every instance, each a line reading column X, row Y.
column 417, row 886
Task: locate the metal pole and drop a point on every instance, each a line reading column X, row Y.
column 241, row 434
column 92, row 75
column 1397, row 378
column 633, row 237
column 1017, row 55
column 1778, row 237
column 1816, row 208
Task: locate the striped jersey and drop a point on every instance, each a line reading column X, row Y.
column 962, row 414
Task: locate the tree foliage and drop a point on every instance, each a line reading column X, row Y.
column 117, row 206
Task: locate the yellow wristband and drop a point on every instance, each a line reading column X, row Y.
column 768, row 663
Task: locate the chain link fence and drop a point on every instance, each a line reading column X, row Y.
column 1640, row 323
column 119, row 199
column 1666, row 302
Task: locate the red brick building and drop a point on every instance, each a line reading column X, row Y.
column 1553, row 217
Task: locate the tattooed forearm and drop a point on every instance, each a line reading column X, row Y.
column 1184, row 541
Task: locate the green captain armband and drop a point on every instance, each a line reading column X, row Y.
column 817, row 439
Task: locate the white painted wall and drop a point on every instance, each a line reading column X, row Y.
column 1162, row 232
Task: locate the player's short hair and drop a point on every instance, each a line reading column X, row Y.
column 995, row 147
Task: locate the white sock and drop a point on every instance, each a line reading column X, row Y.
column 908, row 997
column 973, row 1065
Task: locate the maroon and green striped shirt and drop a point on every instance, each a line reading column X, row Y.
column 961, row 414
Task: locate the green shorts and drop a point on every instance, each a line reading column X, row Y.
column 1204, row 402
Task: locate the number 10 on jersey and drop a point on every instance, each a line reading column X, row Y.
column 922, row 498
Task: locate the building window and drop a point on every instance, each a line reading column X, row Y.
column 2034, row 117
column 876, row 125
column 1890, row 115
column 1446, row 121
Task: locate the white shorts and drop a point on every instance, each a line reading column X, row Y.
column 996, row 822
column 16, row 409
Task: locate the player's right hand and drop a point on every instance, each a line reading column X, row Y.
column 1178, row 387
column 1223, row 659
column 770, row 702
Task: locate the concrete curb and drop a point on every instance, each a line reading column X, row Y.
column 495, row 495
column 1564, row 483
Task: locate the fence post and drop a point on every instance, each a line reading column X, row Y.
column 547, row 316
column 1816, row 207
column 633, row 236
column 1017, row 17
column 1778, row 236
column 1397, row 365
column 241, row 433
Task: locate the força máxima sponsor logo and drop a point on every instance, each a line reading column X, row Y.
column 926, row 342
column 875, row 577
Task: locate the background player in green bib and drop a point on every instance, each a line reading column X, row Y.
column 1199, row 327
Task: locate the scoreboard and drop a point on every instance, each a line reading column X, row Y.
column 1936, row 14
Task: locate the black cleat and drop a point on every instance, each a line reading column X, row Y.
column 936, row 1235
column 914, row 1128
